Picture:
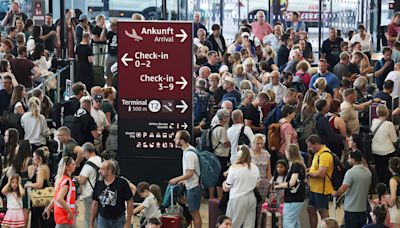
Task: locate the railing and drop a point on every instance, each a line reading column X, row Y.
column 43, row 86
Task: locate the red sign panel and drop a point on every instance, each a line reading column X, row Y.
column 155, row 86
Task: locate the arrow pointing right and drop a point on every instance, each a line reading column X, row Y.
column 183, row 83
column 182, row 35
column 125, row 59
column 183, row 106
column 184, row 125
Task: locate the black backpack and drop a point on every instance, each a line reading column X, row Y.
column 96, row 168
column 243, row 139
column 59, row 112
column 205, row 143
column 338, row 171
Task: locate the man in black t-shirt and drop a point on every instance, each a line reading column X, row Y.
column 5, row 93
column 384, row 94
column 251, row 114
column 84, row 128
column 49, row 33
column 109, row 198
column 331, row 48
column 78, row 88
column 112, row 50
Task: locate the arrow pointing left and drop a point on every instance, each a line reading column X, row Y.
column 183, row 106
column 125, row 59
column 182, row 35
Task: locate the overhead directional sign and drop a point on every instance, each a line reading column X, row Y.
column 155, row 87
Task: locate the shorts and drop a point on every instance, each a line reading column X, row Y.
column 194, row 198
column 318, row 201
column 394, row 214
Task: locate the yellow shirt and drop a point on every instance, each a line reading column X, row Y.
column 325, row 160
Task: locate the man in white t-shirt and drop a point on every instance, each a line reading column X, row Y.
column 88, row 178
column 234, row 133
column 395, row 77
column 190, row 176
column 100, row 119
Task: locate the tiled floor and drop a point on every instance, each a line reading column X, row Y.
column 204, row 215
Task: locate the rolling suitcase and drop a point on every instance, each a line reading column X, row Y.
column 172, row 217
column 272, row 211
column 213, row 212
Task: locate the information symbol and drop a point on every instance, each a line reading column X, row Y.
column 154, row 106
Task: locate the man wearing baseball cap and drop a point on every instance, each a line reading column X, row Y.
column 232, row 94
column 81, row 27
column 100, row 119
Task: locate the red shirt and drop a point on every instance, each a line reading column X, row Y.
column 392, row 30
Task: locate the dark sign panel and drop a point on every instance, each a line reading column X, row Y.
column 155, row 94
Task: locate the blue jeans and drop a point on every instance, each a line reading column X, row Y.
column 118, row 222
column 291, row 214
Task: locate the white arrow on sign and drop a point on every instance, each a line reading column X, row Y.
column 182, row 35
column 184, row 125
column 125, row 59
column 183, row 106
column 183, row 83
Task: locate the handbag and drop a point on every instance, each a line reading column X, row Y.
column 42, row 197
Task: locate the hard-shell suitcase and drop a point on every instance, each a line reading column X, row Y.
column 172, row 217
column 272, row 211
column 213, row 212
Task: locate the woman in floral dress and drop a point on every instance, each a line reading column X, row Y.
column 261, row 158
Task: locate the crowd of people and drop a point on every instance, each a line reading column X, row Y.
column 284, row 126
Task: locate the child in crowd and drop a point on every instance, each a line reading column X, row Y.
column 150, row 205
column 14, row 192
column 279, row 176
column 383, row 199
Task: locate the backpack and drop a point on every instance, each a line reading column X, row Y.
column 205, row 143
column 96, row 169
column 243, row 139
column 309, row 128
column 201, row 107
column 338, row 171
column 210, row 168
column 271, row 118
column 274, row 137
column 59, row 112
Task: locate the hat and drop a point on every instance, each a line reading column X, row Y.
column 98, row 97
column 245, row 34
column 229, row 79
column 82, row 17
column 88, row 147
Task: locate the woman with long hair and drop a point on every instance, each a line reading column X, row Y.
column 40, row 176
column 18, row 100
column 338, row 126
column 241, row 181
column 308, row 109
column 11, row 137
column 295, row 187
column 261, row 158
column 21, row 165
column 108, row 104
column 64, row 196
column 35, row 125
column 70, row 25
column 34, row 39
column 27, row 29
